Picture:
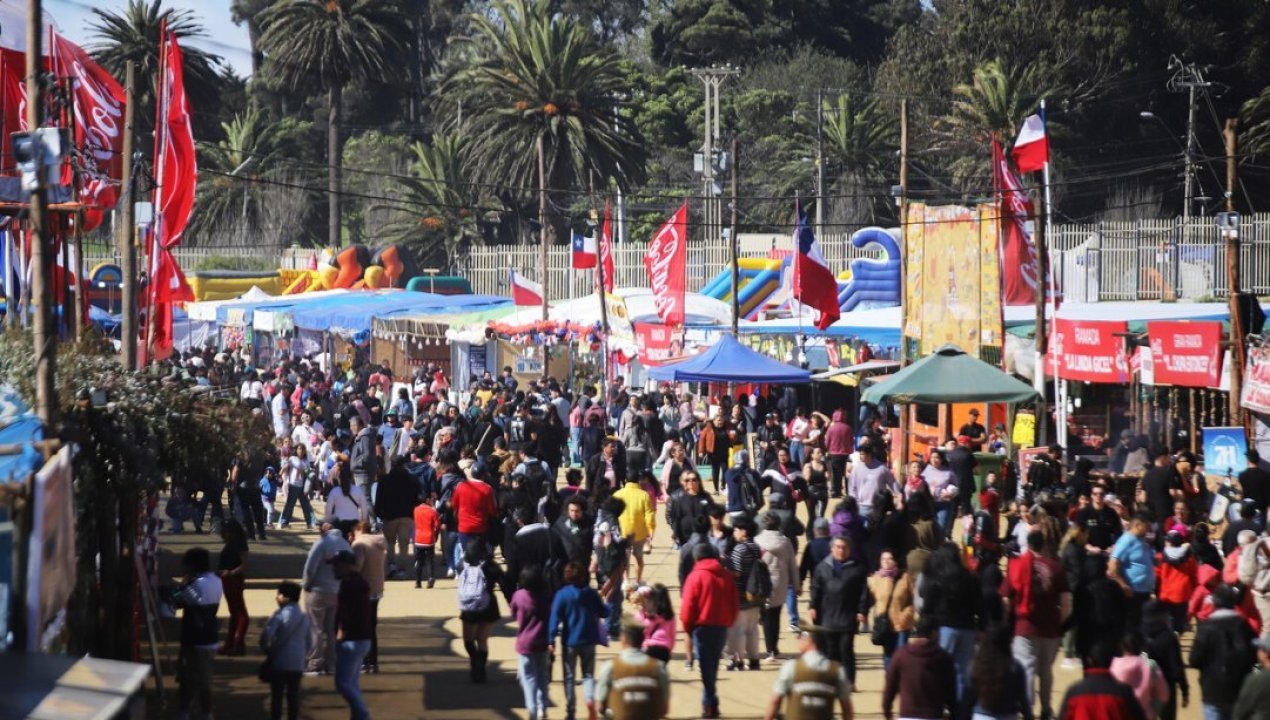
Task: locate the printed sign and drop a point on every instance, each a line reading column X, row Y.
column 1225, row 451
column 1255, row 393
column 1091, row 350
column 1187, row 354
column 658, row 344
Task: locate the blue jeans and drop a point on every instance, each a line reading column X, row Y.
column 961, row 645
column 296, row 493
column 585, row 653
column 460, row 546
column 901, row 639
column 791, row 604
column 796, row 453
column 945, row 513
column 707, row 645
column 348, row 666
column 575, row 442
column 1217, row 712
column 452, row 553
column 534, row 671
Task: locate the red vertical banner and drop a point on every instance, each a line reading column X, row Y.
column 667, row 265
column 1186, row 353
column 606, row 249
column 1019, row 258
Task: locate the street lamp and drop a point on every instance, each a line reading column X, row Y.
column 1188, row 168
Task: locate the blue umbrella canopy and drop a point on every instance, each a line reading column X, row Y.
column 730, row 361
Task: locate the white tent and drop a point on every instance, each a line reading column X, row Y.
column 206, row 310
column 698, row 309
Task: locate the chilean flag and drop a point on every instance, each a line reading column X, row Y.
column 524, row 290
column 584, row 252
column 814, row 283
column 1032, row 148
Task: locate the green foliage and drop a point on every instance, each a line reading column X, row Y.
column 333, row 40
column 235, row 262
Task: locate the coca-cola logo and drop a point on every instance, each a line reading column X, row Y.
column 661, row 260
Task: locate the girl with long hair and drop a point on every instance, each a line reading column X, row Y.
column 657, row 615
column 998, row 684
column 232, row 571
column 478, row 623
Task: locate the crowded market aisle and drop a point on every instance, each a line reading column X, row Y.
column 423, row 668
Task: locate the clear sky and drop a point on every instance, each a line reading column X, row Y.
column 221, row 36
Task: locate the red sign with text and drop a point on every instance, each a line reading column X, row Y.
column 1187, row 354
column 1090, row 350
column 658, row 344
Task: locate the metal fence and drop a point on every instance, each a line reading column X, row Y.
column 1133, row 260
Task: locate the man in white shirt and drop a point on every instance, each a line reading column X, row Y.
column 280, row 411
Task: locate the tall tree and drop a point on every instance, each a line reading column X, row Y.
column 545, row 95
column 134, row 34
column 226, row 196
column 334, row 41
column 248, row 12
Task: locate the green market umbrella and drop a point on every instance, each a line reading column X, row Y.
column 950, row 376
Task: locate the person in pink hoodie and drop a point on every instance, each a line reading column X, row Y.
column 1141, row 674
column 839, row 444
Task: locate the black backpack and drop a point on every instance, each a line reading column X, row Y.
column 535, row 478
column 758, row 586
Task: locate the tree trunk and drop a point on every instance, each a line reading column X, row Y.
column 334, row 159
column 544, row 226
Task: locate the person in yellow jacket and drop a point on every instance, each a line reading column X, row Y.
column 638, row 521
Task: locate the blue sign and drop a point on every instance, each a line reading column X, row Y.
column 1225, row 451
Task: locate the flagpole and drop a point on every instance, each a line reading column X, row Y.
column 156, row 213
column 1050, row 290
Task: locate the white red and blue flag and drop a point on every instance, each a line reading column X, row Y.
column 585, row 253
column 524, row 290
column 814, row 284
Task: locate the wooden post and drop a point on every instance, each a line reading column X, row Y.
column 125, row 236
column 734, row 250
column 545, row 278
column 904, row 409
column 41, row 270
column 1237, row 353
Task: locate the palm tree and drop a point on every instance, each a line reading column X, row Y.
column 860, row 140
column 336, row 42
column 993, row 105
column 224, row 198
column 249, row 11
column 134, row 34
column 546, row 100
column 445, row 208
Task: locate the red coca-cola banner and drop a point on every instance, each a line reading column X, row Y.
column 667, row 265
column 1090, row 350
column 658, row 344
column 1019, row 265
column 99, row 118
column 1186, row 353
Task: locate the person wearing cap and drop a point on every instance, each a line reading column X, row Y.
column 633, row 685
column 1253, row 702
column 353, row 632
column 1162, row 484
column 321, row 589
column 974, row 431
column 810, row 685
column 921, row 676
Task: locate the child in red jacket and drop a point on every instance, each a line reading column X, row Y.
column 1176, row 570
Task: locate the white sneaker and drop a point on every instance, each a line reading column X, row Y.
column 1071, row 664
column 450, row 573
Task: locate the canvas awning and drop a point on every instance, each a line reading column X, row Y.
column 730, row 361
column 949, row 375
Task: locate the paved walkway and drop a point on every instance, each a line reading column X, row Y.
column 423, row 666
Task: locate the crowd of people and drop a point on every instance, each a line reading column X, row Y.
column 541, row 505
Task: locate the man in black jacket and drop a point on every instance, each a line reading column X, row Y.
column 839, row 598
column 1223, row 654
column 571, row 536
column 687, row 507
column 395, row 506
column 528, row 543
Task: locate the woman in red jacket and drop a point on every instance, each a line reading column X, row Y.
column 1176, row 570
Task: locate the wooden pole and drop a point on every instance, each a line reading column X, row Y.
column 734, row 243
column 125, row 236
column 41, row 270
column 904, row 409
column 542, row 227
column 1237, row 353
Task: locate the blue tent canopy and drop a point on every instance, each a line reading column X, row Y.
column 243, row 312
column 730, row 361
column 352, row 314
column 19, row 427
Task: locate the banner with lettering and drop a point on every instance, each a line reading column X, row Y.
column 1090, row 350
column 658, row 344
column 667, row 265
column 1186, row 353
column 1255, row 392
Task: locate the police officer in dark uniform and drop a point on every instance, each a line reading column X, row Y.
column 811, row 684
column 633, row 685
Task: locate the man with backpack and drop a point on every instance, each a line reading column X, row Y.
column 1223, row 653
column 536, row 472
column 754, row 586
column 745, row 493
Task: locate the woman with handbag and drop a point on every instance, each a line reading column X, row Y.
column 892, row 614
column 285, row 641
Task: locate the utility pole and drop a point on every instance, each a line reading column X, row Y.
column 820, row 163
column 542, row 227
column 1187, row 78
column 1232, row 277
column 125, row 233
column 904, row 409
column 734, row 242
column 41, row 271
column 712, row 79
